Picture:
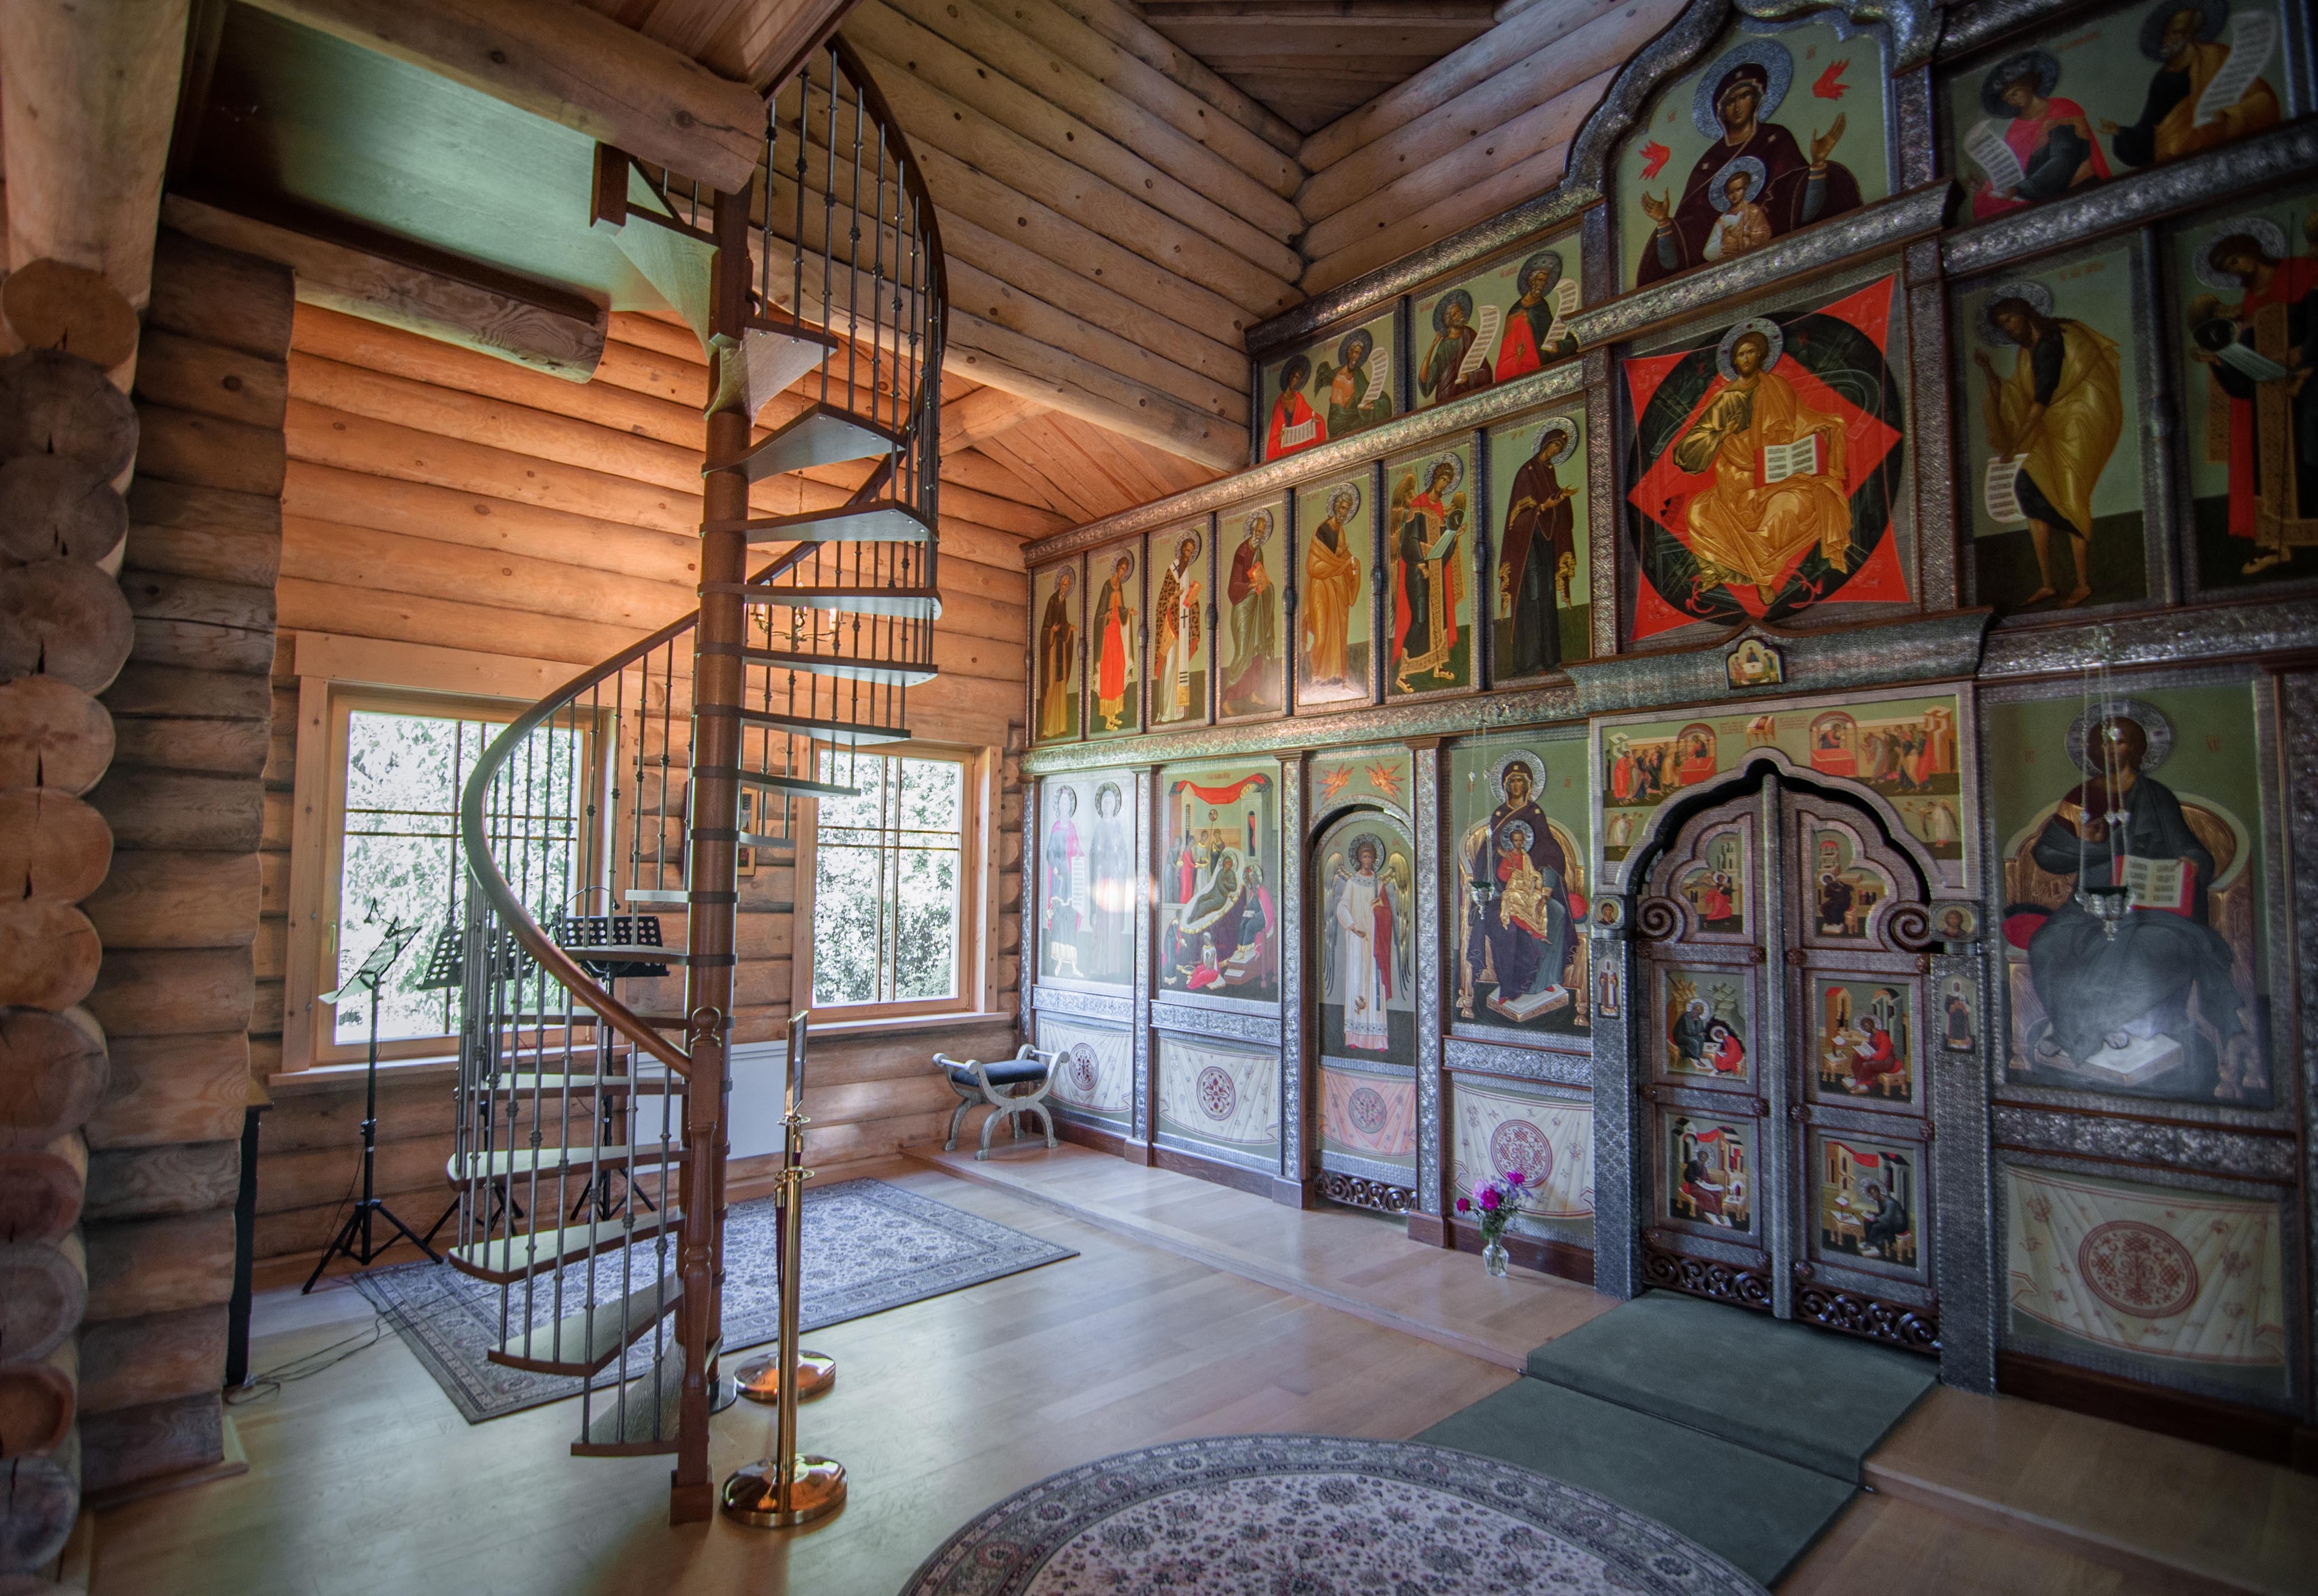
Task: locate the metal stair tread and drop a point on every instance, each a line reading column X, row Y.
column 822, row 725
column 582, row 1342
column 820, row 434
column 512, row 1163
column 503, row 1259
column 584, row 1081
column 885, row 672
column 637, row 953
column 876, row 522
column 772, row 351
column 909, row 604
column 622, row 1422
column 795, row 783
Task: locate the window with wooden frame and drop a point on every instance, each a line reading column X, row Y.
column 894, row 875
column 396, row 766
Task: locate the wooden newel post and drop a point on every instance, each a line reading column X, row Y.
column 716, row 684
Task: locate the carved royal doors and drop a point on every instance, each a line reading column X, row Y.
column 1781, row 1053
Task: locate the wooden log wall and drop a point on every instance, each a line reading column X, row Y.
column 67, row 442
column 1478, row 131
column 179, row 911
column 439, row 497
column 1115, row 216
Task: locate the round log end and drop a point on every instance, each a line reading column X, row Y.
column 43, row 1498
column 41, row 1192
column 49, row 955
column 52, row 1075
column 64, row 619
column 53, row 506
column 52, row 305
column 52, row 734
column 51, row 846
column 36, row 1405
column 54, row 403
column 43, row 1294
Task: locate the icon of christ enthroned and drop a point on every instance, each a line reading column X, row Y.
column 1766, row 464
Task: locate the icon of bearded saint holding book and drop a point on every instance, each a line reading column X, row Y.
column 1766, row 461
column 2150, row 1000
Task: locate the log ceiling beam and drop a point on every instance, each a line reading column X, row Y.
column 346, row 268
column 569, row 65
column 88, row 95
column 982, row 414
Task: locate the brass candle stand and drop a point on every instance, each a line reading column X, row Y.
column 785, row 1488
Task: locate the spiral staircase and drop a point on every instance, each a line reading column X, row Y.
column 591, row 1138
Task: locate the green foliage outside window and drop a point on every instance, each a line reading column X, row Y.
column 888, row 868
column 402, row 856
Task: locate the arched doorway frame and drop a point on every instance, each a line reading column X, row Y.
column 1300, row 1049
column 1959, row 1108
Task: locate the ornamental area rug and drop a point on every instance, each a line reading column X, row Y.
column 868, row 1246
column 1315, row 1515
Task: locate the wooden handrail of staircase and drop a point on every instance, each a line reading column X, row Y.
column 528, row 933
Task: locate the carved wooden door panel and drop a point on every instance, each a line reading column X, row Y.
column 1706, row 923
column 1782, row 1056
column 1859, row 1106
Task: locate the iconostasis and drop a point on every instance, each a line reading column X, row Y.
column 1762, row 690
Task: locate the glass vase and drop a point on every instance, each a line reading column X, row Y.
column 1493, row 1259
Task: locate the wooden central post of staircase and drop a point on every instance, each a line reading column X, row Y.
column 714, row 823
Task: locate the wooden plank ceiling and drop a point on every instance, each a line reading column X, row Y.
column 1311, row 61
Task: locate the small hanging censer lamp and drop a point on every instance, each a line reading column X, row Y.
column 2109, row 903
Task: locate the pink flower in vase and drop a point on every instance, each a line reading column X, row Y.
column 1464, row 1205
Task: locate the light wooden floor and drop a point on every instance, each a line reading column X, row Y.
column 1363, row 1264
column 364, row 1481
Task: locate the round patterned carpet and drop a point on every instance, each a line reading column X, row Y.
column 1315, row 1515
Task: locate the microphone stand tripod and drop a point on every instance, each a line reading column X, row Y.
column 355, row 1238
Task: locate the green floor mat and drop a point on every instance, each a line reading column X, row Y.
column 1757, row 1512
column 1808, row 1395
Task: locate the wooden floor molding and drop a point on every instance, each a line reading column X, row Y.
column 234, row 1461
column 1357, row 1263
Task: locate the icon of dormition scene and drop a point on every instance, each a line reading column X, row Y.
column 1219, row 859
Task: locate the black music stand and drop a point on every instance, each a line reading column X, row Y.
column 355, row 1238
